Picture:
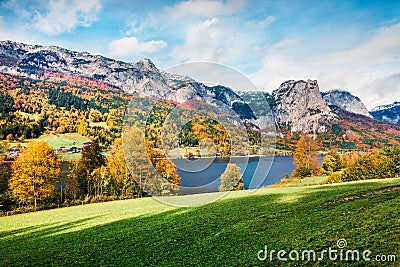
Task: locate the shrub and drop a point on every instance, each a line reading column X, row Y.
column 328, row 164
column 302, row 172
column 335, row 177
column 332, row 162
column 286, row 180
column 374, row 165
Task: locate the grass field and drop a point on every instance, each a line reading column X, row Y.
column 228, row 232
column 66, row 140
column 314, row 180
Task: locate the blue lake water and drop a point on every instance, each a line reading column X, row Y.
column 203, row 175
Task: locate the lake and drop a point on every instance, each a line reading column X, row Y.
column 203, row 174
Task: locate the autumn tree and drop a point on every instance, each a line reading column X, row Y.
column 145, row 165
column 120, row 180
column 231, row 179
column 305, row 157
column 71, row 190
column 329, row 164
column 10, row 137
column 84, row 171
column 35, row 173
column 332, row 162
column 3, row 150
column 373, row 165
column 163, row 166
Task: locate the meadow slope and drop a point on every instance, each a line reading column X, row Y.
column 228, row 232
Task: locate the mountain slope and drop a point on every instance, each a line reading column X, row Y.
column 141, row 77
column 388, row 113
column 345, row 101
column 354, row 131
column 35, row 60
column 294, row 106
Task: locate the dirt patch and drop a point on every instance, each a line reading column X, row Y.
column 375, row 192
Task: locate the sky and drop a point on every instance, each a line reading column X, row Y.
column 348, row 45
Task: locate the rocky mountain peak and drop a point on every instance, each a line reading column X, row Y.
column 346, row 101
column 300, row 107
column 146, row 65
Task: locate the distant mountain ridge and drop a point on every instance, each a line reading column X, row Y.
column 346, row 101
column 296, row 105
column 142, row 77
column 389, row 113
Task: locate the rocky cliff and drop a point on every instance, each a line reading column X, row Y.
column 300, row 107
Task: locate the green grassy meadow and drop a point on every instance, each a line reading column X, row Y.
column 66, row 140
column 227, row 232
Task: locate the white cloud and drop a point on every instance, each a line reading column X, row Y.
column 129, row 46
column 358, row 69
column 66, row 15
column 381, row 91
column 263, row 23
column 210, row 40
column 203, row 8
column 17, row 8
column 134, row 27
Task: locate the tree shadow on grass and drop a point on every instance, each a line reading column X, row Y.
column 11, row 233
column 224, row 233
column 36, row 231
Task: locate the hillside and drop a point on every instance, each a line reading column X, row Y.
column 59, row 104
column 142, row 77
column 48, row 89
column 354, row 132
column 231, row 231
column 72, row 104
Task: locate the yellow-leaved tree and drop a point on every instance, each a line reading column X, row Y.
column 305, row 157
column 35, row 173
column 121, row 182
column 231, row 179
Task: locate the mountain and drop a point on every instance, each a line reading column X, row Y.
column 389, row 113
column 300, row 107
column 60, row 76
column 345, row 101
column 34, row 61
column 142, row 77
column 296, row 106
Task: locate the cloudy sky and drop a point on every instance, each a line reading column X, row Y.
column 351, row 45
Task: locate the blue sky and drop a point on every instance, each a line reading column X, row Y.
column 351, row 45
